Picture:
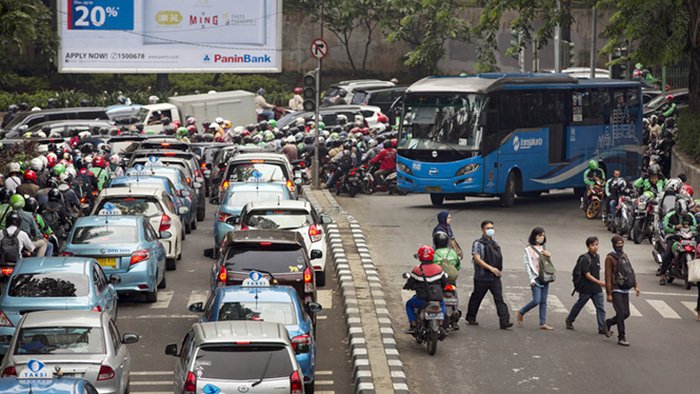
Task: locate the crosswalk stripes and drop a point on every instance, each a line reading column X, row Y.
column 197, row 296
column 664, row 310
column 691, row 305
column 634, row 312
column 164, row 298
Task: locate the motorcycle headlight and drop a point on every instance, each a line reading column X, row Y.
column 467, row 169
column 404, row 168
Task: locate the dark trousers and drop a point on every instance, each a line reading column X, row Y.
column 597, row 299
column 698, row 308
column 480, row 289
column 621, row 304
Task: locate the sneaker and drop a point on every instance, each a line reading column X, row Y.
column 569, row 324
column 519, row 318
column 623, row 342
column 662, row 281
column 506, row 326
column 411, row 330
column 658, row 272
column 602, row 332
column 472, row 322
column 608, row 332
column 546, row 327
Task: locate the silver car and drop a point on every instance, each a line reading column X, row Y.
column 82, row 344
column 236, row 357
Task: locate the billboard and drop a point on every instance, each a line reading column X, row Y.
column 169, row 36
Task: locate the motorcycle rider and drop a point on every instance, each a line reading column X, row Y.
column 290, row 149
column 262, row 107
column 387, row 162
column 653, row 184
column 613, row 189
column 28, row 186
column 32, row 206
column 668, row 108
column 100, row 171
column 654, row 128
column 592, row 174
column 424, row 276
column 28, row 224
column 346, row 160
column 13, row 180
column 674, row 221
column 297, row 102
column 54, row 213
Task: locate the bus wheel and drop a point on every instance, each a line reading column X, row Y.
column 508, row 196
column 437, row 199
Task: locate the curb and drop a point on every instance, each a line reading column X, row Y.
column 362, row 371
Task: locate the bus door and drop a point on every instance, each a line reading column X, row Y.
column 490, row 146
column 556, row 120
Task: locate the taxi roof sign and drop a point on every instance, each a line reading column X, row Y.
column 256, row 279
column 109, row 209
column 139, row 167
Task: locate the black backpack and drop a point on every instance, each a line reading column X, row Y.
column 9, row 247
column 577, row 274
column 53, row 219
column 345, row 162
column 624, row 274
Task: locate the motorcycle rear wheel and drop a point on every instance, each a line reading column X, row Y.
column 432, row 342
column 637, row 233
column 593, row 209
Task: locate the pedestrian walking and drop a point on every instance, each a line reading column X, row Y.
column 619, row 281
column 588, row 285
column 488, row 263
column 539, row 287
column 445, row 225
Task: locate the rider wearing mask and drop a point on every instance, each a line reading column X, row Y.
column 346, row 160
column 422, row 277
column 590, row 176
column 387, row 162
column 674, row 221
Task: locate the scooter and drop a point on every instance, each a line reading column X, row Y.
column 429, row 325
column 593, row 204
column 646, row 210
column 390, row 182
column 452, row 312
column 685, row 249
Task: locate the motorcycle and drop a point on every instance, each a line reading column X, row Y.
column 452, row 312
column 624, row 217
column 685, row 249
column 390, row 184
column 645, row 212
column 429, row 325
column 594, row 201
column 349, row 183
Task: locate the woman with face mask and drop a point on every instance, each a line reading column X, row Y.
column 539, row 288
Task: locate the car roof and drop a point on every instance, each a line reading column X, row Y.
column 281, row 204
column 150, row 179
column 232, row 330
column 113, row 219
column 256, row 186
column 274, row 236
column 381, row 89
column 123, row 191
column 53, row 264
column 61, row 318
column 68, row 110
column 274, row 293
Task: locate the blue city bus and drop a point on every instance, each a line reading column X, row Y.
column 515, row 134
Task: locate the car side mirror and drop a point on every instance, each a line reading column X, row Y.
column 325, row 219
column 316, row 254
column 315, row 307
column 115, row 279
column 185, row 193
column 165, row 235
column 130, row 337
column 197, row 307
column 171, row 350
column 196, row 185
column 183, row 210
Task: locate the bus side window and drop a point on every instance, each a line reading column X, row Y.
column 633, row 103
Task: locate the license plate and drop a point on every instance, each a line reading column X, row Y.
column 107, row 262
column 433, row 316
column 451, row 301
column 297, row 174
column 433, row 189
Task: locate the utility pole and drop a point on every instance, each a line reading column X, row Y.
column 314, row 166
column 594, row 35
column 557, row 41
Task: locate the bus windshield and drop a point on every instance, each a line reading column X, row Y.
column 442, row 121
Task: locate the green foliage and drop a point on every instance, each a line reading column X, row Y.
column 689, row 135
column 22, row 152
column 426, row 25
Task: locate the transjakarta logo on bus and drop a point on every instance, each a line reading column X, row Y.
column 247, row 58
column 526, row 143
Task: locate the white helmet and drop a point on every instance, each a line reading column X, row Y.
column 381, row 127
column 359, row 118
column 64, row 176
column 13, row 167
column 153, row 99
column 44, row 160
column 70, row 169
column 88, row 159
column 84, row 134
column 291, row 140
column 36, row 164
column 35, row 109
column 219, row 120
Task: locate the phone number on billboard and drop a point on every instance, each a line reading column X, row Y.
column 128, row 56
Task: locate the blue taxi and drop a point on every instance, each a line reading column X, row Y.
column 51, row 385
column 236, row 197
column 55, row 283
column 257, row 300
column 180, row 198
column 123, row 245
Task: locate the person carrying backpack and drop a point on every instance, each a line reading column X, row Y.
column 619, row 281
column 13, row 241
column 535, row 257
column 54, row 214
column 587, row 283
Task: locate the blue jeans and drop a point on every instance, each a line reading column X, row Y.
column 539, row 297
column 598, row 301
column 613, row 206
column 415, row 304
column 268, row 114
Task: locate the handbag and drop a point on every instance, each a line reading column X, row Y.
column 547, row 269
column 458, row 249
column 694, row 271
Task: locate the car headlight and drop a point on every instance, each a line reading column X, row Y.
column 467, row 169
column 403, row 168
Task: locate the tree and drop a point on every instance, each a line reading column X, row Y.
column 426, row 25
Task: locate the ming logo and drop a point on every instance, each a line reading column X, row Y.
column 526, row 143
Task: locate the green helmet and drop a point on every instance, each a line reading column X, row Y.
column 17, row 201
column 334, row 136
column 639, row 66
column 59, row 169
column 151, row 132
column 181, row 132
column 593, row 165
column 321, row 125
column 272, row 123
column 301, row 146
column 269, row 136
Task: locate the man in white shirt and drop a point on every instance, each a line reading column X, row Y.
column 25, row 243
column 297, row 102
column 262, row 107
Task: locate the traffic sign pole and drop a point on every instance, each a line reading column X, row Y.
column 315, row 170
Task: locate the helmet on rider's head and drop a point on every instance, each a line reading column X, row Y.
column 153, row 99
column 13, row 167
column 687, row 191
column 17, row 201
column 347, row 145
column 669, row 97
column 297, row 90
column 674, row 185
column 394, row 142
column 387, row 144
column 13, row 219
column 54, row 195
column 36, row 164
column 99, row 161
column 440, row 239
column 681, row 206
column 30, row 175
column 426, row 254
column 31, row 205
column 593, row 164
column 182, row 132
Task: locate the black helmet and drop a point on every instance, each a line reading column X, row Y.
column 31, row 204
column 54, row 195
column 4, row 195
column 681, row 206
column 165, row 121
column 12, row 108
column 347, row 145
column 23, row 106
column 263, row 125
column 84, row 103
column 654, row 169
column 440, row 239
column 104, row 131
column 52, row 103
column 387, row 144
column 13, row 219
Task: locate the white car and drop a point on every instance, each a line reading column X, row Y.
column 154, row 203
column 293, row 215
column 82, row 344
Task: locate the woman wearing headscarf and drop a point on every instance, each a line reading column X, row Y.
column 444, row 225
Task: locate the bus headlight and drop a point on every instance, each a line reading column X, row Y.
column 467, row 169
column 404, row 168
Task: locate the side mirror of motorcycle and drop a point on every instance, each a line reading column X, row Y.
column 406, row 275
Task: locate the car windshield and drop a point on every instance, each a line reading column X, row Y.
column 243, row 362
column 145, row 206
column 442, row 121
column 54, row 284
column 241, row 198
column 142, row 115
column 60, row 340
column 104, row 234
column 278, row 219
column 273, row 258
column 256, row 172
column 276, row 312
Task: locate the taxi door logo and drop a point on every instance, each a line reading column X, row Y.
column 516, row 143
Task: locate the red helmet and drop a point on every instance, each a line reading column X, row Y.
column 99, row 162
column 51, row 160
column 30, row 175
column 394, row 142
column 297, row 90
column 426, row 253
column 83, row 171
column 669, row 97
column 365, row 131
column 381, row 118
column 192, row 129
column 687, row 189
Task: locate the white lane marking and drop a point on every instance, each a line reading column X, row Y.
column 556, row 304
column 154, row 383
column 164, row 298
column 691, row 305
column 324, row 383
column 516, row 301
column 323, row 373
column 197, row 296
column 634, row 312
column 664, row 310
column 325, row 298
column 590, row 308
column 325, row 392
column 321, row 317
column 149, row 373
column 657, row 293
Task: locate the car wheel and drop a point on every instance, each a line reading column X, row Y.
column 188, row 229
column 152, row 296
column 200, row 214
column 508, row 196
column 163, row 283
column 309, row 388
column 321, row 278
column 170, row 264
